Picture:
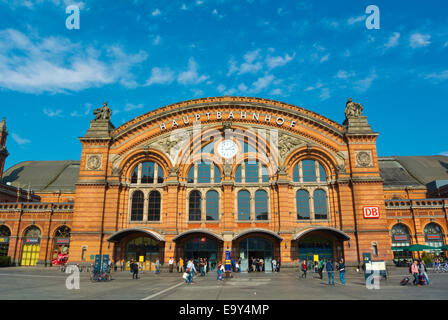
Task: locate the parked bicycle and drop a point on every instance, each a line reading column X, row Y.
column 100, row 276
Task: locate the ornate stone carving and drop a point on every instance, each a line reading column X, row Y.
column 341, row 168
column 286, row 144
column 173, row 171
column 227, row 170
column 353, row 109
column 282, row 170
column 94, row 162
column 363, row 158
column 103, row 113
column 227, row 125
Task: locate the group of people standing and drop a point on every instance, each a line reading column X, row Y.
column 328, row 265
column 419, row 272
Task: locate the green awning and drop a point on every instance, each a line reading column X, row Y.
column 420, row 247
column 400, row 248
column 444, row 247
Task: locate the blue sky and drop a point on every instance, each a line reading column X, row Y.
column 140, row 55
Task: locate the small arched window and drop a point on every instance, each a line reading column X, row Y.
column 137, row 206
column 303, row 205
column 212, row 206
column 433, row 235
column 320, row 204
column 62, row 232
column 204, row 169
column 33, row 232
column 243, row 205
column 195, row 206
column 261, row 205
column 154, row 206
column 309, row 171
column 149, row 171
column 251, row 171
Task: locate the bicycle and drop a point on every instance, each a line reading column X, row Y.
column 100, row 276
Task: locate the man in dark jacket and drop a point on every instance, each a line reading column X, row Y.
column 342, row 271
column 330, row 270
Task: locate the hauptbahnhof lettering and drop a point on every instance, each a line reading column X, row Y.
column 257, row 177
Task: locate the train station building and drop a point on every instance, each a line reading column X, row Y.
column 256, row 177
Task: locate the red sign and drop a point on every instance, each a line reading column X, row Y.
column 371, row 212
column 203, row 239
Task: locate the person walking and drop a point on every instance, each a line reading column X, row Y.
column 437, row 265
column 304, row 269
column 201, row 267
column 233, row 263
column 134, row 269
column 274, row 265
column 171, row 264
column 237, row 266
column 321, row 268
column 157, row 266
column 422, row 271
column 181, row 265
column 342, row 271
column 219, row 271
column 190, row 270
column 414, row 272
column 253, row 265
column 330, row 270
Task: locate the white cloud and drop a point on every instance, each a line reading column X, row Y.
column 160, row 76
column 324, row 94
column 156, row 40
column 418, row 40
column 191, row 76
column 261, row 83
column 51, row 113
column 354, row 20
column 156, row 13
column 445, row 153
column 364, row 84
column 242, row 87
column 55, row 64
column 184, row 7
column 342, row 74
column 279, row 61
column 438, row 77
column 393, row 40
column 251, row 63
column 325, row 58
column 19, row 140
column 276, row 92
column 311, row 88
column 221, row 88
column 130, row 106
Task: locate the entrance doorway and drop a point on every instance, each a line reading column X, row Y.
column 31, row 246
column 315, row 245
column 253, row 248
column 202, row 247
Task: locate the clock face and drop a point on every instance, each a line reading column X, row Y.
column 227, row 149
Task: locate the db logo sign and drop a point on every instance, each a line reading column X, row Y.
column 371, row 212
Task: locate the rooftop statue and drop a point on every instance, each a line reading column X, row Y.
column 103, row 113
column 353, row 109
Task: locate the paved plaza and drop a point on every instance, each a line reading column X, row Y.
column 50, row 284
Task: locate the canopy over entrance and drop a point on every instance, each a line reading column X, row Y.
column 339, row 233
column 119, row 235
column 257, row 230
column 203, row 231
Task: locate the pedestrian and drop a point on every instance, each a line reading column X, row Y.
column 233, row 264
column 330, row 270
column 253, row 265
column 437, row 264
column 181, row 265
column 171, row 264
column 261, row 265
column 414, row 271
column 422, row 271
column 157, row 266
column 237, row 266
column 190, row 270
column 321, row 268
column 201, row 267
column 205, row 265
column 341, row 268
column 220, row 271
column 134, row 269
column 274, row 265
column 278, row 266
column 304, row 269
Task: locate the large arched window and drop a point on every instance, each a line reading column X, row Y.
column 204, row 175
column 195, row 206
column 310, row 171
column 5, row 233
column 320, row 204
column 32, row 232
column 252, row 170
column 61, row 241
column 261, row 205
column 433, row 235
column 400, row 239
column 151, row 172
column 303, row 205
column 154, row 206
column 137, row 206
column 204, row 171
column 212, row 206
column 243, row 205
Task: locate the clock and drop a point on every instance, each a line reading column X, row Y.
column 227, row 149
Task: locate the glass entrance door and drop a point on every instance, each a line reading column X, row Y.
column 202, row 247
column 30, row 254
column 315, row 245
column 257, row 248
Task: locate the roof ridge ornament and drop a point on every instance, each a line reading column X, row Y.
column 355, row 122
